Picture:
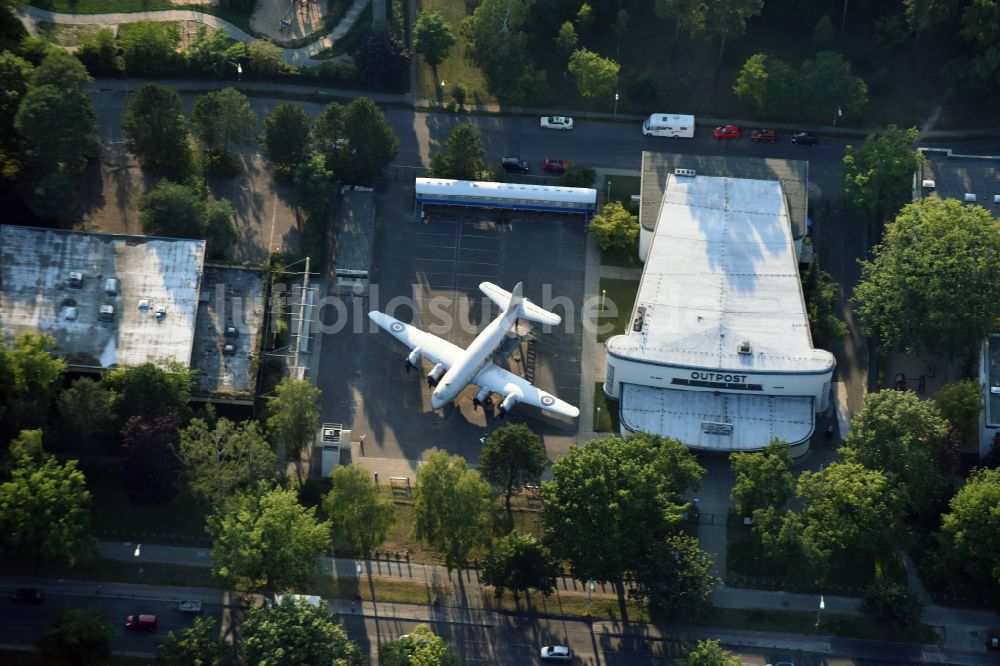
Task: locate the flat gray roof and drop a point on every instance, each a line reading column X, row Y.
column 355, row 232
column 955, row 176
column 231, row 297
column 793, row 175
column 746, row 422
column 35, row 294
column 722, row 269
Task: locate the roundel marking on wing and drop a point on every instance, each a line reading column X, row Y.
column 396, row 327
column 547, row 400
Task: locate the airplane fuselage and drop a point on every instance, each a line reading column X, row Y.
column 477, row 355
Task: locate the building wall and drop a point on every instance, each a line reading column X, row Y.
column 627, row 371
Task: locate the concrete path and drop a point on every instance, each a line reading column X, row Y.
column 301, row 56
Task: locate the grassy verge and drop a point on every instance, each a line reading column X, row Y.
column 180, row 521
column 19, row 658
column 351, row 38
column 620, row 258
column 800, row 622
column 566, row 603
column 605, row 411
column 621, row 188
column 117, row 571
column 102, row 6
column 618, row 298
column 65, row 34
column 456, row 69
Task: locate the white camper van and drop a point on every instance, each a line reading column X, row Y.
column 669, row 124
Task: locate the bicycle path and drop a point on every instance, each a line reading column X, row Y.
column 301, row 56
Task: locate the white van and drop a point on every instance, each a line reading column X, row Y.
column 669, row 124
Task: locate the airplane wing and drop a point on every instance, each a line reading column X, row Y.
column 433, row 348
column 505, row 383
column 528, row 309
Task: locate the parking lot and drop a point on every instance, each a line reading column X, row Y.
column 427, row 273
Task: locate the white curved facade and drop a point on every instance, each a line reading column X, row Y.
column 719, row 353
column 468, row 192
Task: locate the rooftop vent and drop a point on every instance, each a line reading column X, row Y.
column 144, row 304
column 69, row 313
column 996, row 198
column 161, row 311
column 970, row 197
column 691, row 173
column 76, row 279
column 928, row 183
column 745, row 348
column 229, row 349
column 640, row 317
column 107, row 313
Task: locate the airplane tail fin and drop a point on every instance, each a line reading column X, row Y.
column 506, row 301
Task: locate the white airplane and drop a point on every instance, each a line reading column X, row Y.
column 455, row 368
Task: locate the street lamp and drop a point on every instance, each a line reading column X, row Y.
column 822, row 605
column 604, row 293
column 137, row 552
column 590, row 588
column 616, row 104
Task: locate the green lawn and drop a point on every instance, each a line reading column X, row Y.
column 799, row 622
column 627, row 258
column 353, row 37
column 618, row 299
column 102, row 6
column 621, row 188
column 456, row 68
column 66, row 35
column 605, row 420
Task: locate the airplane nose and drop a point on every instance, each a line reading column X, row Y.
column 436, row 401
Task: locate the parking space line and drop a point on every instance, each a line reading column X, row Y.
column 429, row 259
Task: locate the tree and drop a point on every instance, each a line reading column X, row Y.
column 892, row 604
column 149, row 47
column 76, row 637
column 295, row 632
column 382, row 58
column 822, row 37
column 56, row 123
column 981, row 23
column 728, row 18
column 566, row 39
column 878, row 175
column 519, row 563
column 452, row 508
column 611, row 498
column 172, row 209
column 358, row 512
column 61, row 68
column 99, row 54
column 54, row 197
column 328, row 135
column 433, row 38
column 463, row 154
column 767, row 85
column 46, row 507
column 845, row 507
column 312, row 187
column 265, row 58
column 969, row 559
column 224, row 457
column 218, row 229
column 931, row 282
column 420, row 647
column 960, row 403
column 151, row 464
column 821, row 294
column 198, row 645
column 293, row 415
column 154, row 128
column 222, row 117
column 615, row 227
column 28, row 375
column 150, row 390
column 584, row 19
column 211, row 51
column 512, row 457
column 498, row 45
column 828, row 88
column 15, row 72
column 287, row 134
column 370, row 143
column 595, row 76
column 263, row 538
column 763, row 478
column 85, row 411
column 674, row 578
column 709, row 653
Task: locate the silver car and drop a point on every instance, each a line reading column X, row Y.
column 556, row 653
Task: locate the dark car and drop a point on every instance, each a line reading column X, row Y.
column 552, row 165
column 27, row 595
column 805, row 138
column 768, row 135
column 514, row 165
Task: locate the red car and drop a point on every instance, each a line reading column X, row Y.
column 553, row 165
column 764, row 135
column 728, row 132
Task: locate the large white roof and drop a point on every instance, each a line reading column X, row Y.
column 722, row 269
column 37, row 293
column 510, row 191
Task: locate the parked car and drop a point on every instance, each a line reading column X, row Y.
column 189, row 606
column 557, row 122
column 514, row 165
column 556, row 653
column 768, row 135
column 728, row 132
column 805, row 138
column 140, row 621
column 782, row 663
column 552, row 165
column 27, row 595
